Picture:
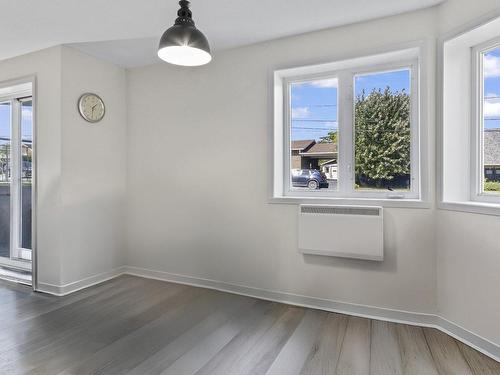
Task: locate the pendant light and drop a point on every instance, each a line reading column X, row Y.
column 183, row 44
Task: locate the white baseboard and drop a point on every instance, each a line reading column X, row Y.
column 62, row 290
column 288, row 298
column 391, row 315
column 372, row 312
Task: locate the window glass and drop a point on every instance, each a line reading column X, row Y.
column 491, row 120
column 26, row 172
column 5, row 178
column 382, row 136
column 314, row 134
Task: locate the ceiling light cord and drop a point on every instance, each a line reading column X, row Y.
column 185, row 16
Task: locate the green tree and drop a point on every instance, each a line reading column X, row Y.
column 382, row 136
column 331, row 137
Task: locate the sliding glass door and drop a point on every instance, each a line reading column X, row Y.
column 16, row 166
column 5, row 177
column 26, row 178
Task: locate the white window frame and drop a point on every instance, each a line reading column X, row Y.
column 477, row 124
column 457, row 136
column 19, row 257
column 346, row 71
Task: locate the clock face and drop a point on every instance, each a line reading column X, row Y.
column 91, row 107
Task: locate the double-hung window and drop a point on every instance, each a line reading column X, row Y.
column 348, row 129
column 485, row 178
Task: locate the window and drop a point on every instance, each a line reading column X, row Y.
column 313, row 133
column 382, row 133
column 349, row 129
column 469, row 119
column 485, row 177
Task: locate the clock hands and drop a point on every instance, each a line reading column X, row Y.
column 91, row 107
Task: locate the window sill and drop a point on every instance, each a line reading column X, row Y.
column 389, row 203
column 472, row 207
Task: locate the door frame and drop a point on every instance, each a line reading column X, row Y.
column 34, row 169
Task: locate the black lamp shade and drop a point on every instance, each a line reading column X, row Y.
column 183, row 44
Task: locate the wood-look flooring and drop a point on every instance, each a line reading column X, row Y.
column 131, row 325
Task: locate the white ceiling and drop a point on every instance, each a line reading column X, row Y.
column 127, row 31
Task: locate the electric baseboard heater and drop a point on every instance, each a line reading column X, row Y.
column 342, row 231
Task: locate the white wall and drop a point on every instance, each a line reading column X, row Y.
column 199, row 170
column 468, row 247
column 81, row 168
column 94, row 162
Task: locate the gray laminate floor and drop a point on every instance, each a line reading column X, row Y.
column 131, row 325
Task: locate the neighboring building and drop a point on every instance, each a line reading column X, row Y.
column 492, row 154
column 319, row 151
column 329, row 168
column 298, row 147
column 5, row 160
column 307, row 154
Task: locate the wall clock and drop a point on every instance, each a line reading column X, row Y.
column 91, row 107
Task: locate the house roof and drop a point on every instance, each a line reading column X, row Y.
column 302, row 144
column 329, row 162
column 322, row 148
column 492, row 147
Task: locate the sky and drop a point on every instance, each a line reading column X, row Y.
column 491, row 64
column 26, row 127
column 314, row 104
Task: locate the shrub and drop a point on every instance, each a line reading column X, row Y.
column 491, row 185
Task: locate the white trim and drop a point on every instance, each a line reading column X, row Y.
column 64, row 289
column 477, row 123
column 24, row 265
column 386, row 203
column 365, row 311
column 34, row 183
column 421, row 319
column 15, row 184
column 483, row 208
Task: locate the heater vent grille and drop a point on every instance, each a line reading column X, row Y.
column 330, row 210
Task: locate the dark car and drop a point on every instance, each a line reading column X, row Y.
column 310, row 178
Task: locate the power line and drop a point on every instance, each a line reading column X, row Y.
column 316, row 129
column 317, row 105
column 312, row 120
column 356, row 130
